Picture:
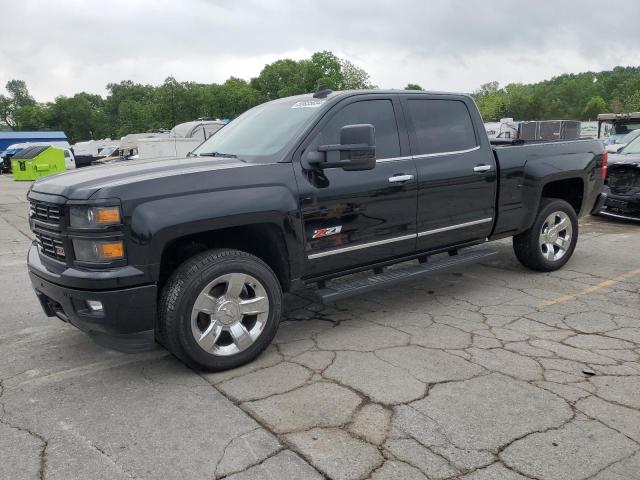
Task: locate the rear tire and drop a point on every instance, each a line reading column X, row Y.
column 220, row 309
column 552, row 238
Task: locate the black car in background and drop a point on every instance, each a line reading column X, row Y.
column 622, row 185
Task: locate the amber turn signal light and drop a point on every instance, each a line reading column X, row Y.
column 108, row 215
column 110, row 250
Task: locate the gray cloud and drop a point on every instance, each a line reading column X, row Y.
column 68, row 46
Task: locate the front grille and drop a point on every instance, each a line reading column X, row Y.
column 618, row 204
column 45, row 212
column 50, row 246
column 623, row 179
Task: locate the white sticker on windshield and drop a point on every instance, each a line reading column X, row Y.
column 308, row 104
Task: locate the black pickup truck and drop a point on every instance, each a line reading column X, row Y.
column 196, row 253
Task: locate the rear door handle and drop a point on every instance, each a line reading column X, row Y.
column 481, row 168
column 400, row 178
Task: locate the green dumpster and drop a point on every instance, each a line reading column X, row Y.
column 35, row 162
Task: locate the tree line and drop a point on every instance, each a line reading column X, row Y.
column 131, row 107
column 580, row 96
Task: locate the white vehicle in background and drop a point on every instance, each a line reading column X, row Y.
column 69, row 158
column 622, row 142
column 109, row 151
column 91, row 150
column 182, row 139
column 129, row 144
column 110, row 155
column 612, row 127
column 506, row 128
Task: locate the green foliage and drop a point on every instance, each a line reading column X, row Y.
column 133, row 107
column 572, row 96
column 353, row 78
column 17, row 99
column 632, row 102
column 594, row 106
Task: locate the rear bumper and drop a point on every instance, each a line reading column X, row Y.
column 127, row 319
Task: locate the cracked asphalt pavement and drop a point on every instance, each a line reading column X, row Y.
column 491, row 372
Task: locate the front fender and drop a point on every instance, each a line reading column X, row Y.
column 154, row 224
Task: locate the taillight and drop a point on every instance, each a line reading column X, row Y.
column 605, row 159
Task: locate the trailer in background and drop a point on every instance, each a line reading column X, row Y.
column 182, row 139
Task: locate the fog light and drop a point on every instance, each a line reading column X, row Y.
column 95, row 306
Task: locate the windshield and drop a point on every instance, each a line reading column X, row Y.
column 632, row 148
column 105, row 152
column 629, row 137
column 260, row 134
column 624, row 128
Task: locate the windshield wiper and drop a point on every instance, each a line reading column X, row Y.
column 217, row 154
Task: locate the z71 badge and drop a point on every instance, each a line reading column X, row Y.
column 325, row 232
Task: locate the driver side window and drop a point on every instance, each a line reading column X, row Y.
column 378, row 113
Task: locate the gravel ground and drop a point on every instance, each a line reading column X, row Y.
column 491, row 372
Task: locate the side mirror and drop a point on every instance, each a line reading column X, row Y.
column 356, row 151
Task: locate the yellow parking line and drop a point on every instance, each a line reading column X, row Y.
column 599, row 286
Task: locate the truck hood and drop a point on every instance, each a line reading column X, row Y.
column 82, row 183
column 624, row 159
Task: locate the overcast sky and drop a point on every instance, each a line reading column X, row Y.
column 63, row 47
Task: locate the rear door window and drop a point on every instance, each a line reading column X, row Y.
column 378, row 113
column 440, row 126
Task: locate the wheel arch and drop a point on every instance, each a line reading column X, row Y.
column 567, row 186
column 264, row 240
column 571, row 190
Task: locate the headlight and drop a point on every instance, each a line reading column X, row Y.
column 98, row 250
column 92, row 217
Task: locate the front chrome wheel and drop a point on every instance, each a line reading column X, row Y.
column 555, row 236
column 229, row 314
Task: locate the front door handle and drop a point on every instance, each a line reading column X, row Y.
column 400, row 178
column 481, row 168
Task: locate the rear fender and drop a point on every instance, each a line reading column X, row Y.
column 562, row 166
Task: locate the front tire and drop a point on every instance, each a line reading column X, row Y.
column 220, row 309
column 552, row 238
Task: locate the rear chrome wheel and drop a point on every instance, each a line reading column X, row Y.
column 229, row 314
column 551, row 240
column 555, row 236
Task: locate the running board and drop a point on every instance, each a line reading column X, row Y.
column 340, row 290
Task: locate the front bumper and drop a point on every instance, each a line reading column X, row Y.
column 127, row 319
column 624, row 207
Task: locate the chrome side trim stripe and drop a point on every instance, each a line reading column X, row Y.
column 392, row 159
column 428, row 155
column 454, row 227
column 360, row 246
column 442, row 154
